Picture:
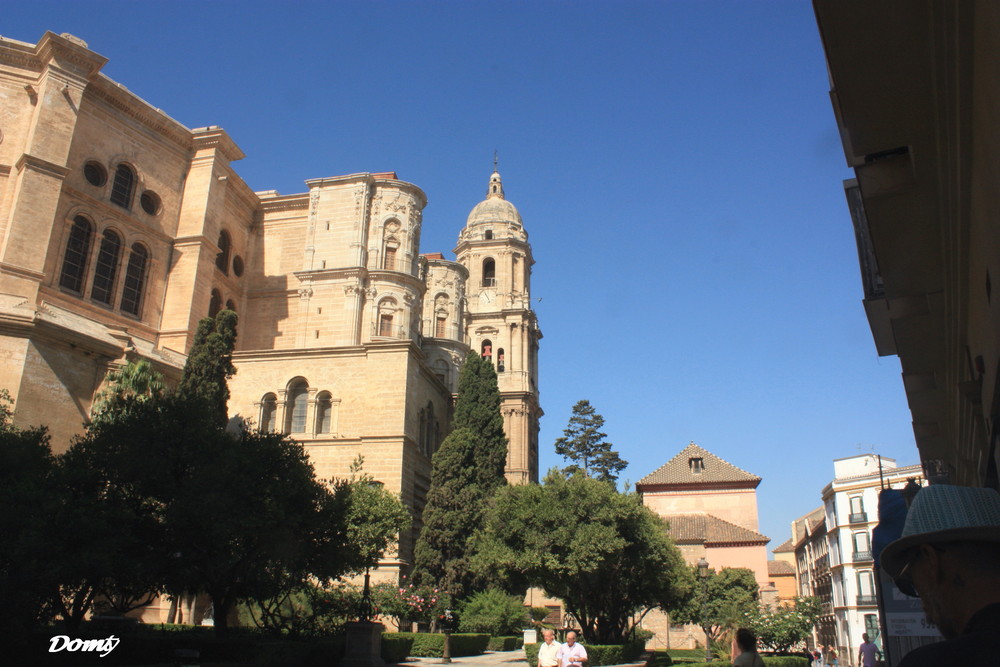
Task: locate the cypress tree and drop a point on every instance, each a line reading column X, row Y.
column 210, row 364
column 467, row 470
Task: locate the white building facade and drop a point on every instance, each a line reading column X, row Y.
column 851, row 505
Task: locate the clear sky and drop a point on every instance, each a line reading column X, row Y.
column 676, row 164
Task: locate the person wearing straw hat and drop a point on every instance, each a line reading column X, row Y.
column 949, row 557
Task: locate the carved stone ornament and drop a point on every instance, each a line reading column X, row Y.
column 305, row 292
column 392, row 226
column 371, row 292
column 350, row 290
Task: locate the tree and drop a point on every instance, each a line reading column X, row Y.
column 784, row 626
column 719, row 602
column 466, row 470
column 27, row 573
column 585, row 445
column 493, row 612
column 210, row 363
column 603, row 553
column 375, row 517
column 236, row 517
column 135, row 381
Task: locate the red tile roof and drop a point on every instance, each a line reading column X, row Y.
column 679, row 470
column 710, row 530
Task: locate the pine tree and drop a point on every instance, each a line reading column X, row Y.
column 467, row 470
column 210, row 364
column 585, row 445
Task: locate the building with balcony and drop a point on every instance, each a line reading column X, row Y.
column 811, row 555
column 915, row 89
column 850, row 507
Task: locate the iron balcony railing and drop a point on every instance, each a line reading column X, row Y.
column 860, row 556
column 867, row 601
column 858, row 517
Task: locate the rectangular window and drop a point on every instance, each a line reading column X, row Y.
column 390, row 259
column 385, row 325
column 439, row 327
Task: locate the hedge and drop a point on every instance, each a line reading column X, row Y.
column 431, row 645
column 505, row 643
column 598, row 654
column 396, row 646
column 769, row 661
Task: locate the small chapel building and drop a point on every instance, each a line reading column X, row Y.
column 711, row 507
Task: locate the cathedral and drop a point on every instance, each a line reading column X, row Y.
column 120, row 229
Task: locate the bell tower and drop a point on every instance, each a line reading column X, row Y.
column 501, row 326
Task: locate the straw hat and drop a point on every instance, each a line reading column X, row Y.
column 945, row 513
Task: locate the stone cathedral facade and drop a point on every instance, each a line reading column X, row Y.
column 120, row 228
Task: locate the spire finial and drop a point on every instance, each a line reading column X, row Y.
column 495, row 189
column 495, row 160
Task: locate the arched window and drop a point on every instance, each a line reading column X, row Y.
column 324, row 412
column 106, row 268
column 77, row 251
column 500, row 360
column 487, row 350
column 135, row 280
column 489, row 272
column 296, row 406
column 124, row 186
column 230, row 305
column 225, row 245
column 215, row 305
column 268, row 413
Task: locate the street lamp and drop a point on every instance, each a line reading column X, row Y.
column 703, row 575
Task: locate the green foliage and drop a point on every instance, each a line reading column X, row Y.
column 240, row 517
column 28, row 566
column 720, row 602
column 602, row 552
column 210, row 364
column 396, row 646
column 599, row 654
column 505, row 643
column 494, row 612
column 431, row 645
column 375, row 516
column 785, row 626
column 306, row 611
column 466, row 470
column 585, row 445
column 418, row 603
column 136, row 381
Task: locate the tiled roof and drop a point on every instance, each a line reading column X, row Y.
column 787, row 545
column 708, row 529
column 679, row 470
column 779, row 567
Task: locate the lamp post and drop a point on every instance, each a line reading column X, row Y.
column 703, row 576
column 448, row 624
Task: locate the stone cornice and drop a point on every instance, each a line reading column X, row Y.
column 214, row 136
column 69, row 52
column 275, row 203
column 42, row 166
column 21, row 272
column 119, row 98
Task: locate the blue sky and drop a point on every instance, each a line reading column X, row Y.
column 677, row 166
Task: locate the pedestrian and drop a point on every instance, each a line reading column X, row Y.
column 746, row 646
column 830, row 655
column 949, row 557
column 548, row 652
column 572, row 654
column 817, row 660
column 868, row 653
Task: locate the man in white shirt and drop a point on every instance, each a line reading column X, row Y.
column 548, row 652
column 572, row 654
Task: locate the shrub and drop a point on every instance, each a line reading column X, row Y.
column 769, row 661
column 431, row 645
column 396, row 646
column 494, row 612
column 598, row 654
column 505, row 643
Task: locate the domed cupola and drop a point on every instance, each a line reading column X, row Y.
column 494, row 214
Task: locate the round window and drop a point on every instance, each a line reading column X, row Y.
column 238, row 266
column 150, row 202
column 95, row 173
